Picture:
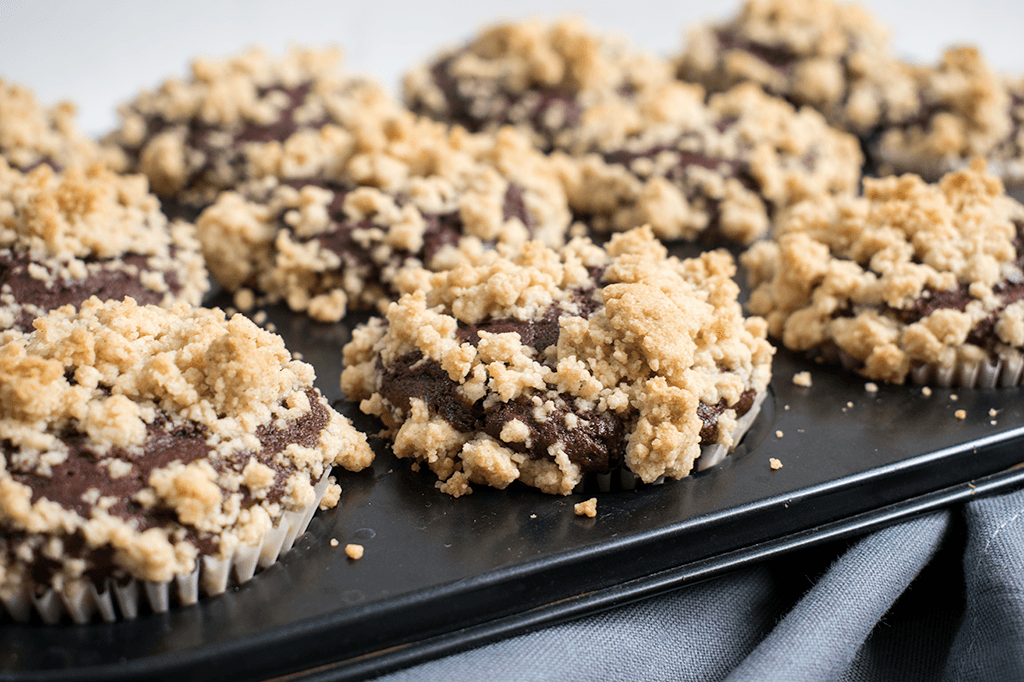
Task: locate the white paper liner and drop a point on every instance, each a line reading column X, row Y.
column 1003, row 371
column 710, row 455
column 82, row 600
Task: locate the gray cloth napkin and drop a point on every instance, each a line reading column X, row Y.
column 938, row 597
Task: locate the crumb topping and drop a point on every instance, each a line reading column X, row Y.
column 424, row 196
column 537, row 76
column 687, row 168
column 249, row 116
column 832, row 56
column 140, row 439
column 965, row 110
column 910, row 273
column 545, row 365
column 65, row 236
column 31, row 134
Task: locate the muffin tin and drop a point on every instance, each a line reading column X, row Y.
column 439, row 573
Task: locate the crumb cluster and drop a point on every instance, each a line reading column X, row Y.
column 548, row 365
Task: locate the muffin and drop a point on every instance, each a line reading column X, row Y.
column 966, row 110
column 541, row 78
column 154, row 451
column 709, row 172
column 410, row 194
column 248, row 116
column 67, row 236
column 911, row 280
column 31, row 134
column 555, row 366
column 834, row 57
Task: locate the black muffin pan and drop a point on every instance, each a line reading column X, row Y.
column 440, row 574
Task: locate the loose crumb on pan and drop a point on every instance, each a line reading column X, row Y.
column 802, row 379
column 926, row 391
column 960, row 414
column 778, row 434
column 993, row 412
column 774, row 463
column 354, row 552
column 587, row 508
column 334, row 542
column 871, row 387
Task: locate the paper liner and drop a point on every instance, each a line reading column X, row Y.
column 83, row 599
column 710, row 455
column 988, row 373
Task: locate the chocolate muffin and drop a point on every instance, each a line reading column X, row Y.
column 552, row 366
column 541, row 78
column 31, row 134
column 966, row 110
column 67, row 236
column 358, row 236
column 834, row 57
column 247, row 116
column 155, row 451
column 710, row 171
column 910, row 280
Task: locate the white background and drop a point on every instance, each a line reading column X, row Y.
column 98, row 54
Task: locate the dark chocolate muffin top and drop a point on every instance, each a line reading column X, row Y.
column 907, row 275
column 67, row 236
column 135, row 440
column 551, row 364
column 247, row 116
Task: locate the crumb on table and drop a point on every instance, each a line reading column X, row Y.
column 802, row 379
column 354, row 552
column 587, row 508
column 778, row 434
